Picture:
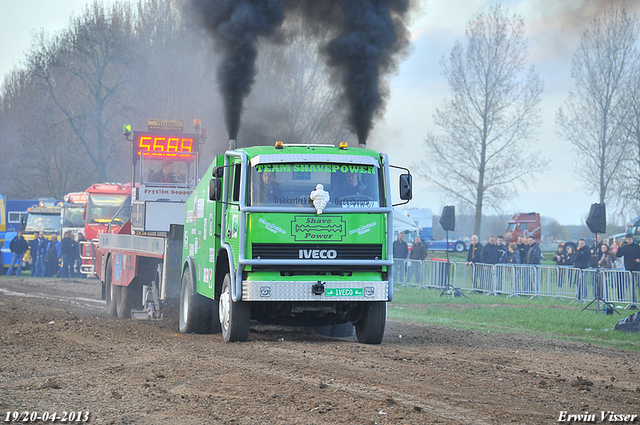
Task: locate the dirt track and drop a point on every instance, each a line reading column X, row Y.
column 60, row 352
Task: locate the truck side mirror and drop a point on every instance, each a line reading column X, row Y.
column 215, row 190
column 406, row 192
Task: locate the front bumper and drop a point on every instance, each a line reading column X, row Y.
column 355, row 291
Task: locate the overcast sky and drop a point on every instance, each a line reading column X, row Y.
column 553, row 30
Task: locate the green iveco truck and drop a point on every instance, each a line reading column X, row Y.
column 292, row 235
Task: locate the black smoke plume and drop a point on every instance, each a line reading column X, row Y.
column 236, row 26
column 372, row 37
column 367, row 40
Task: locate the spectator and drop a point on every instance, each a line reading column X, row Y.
column 473, row 256
column 418, row 254
column 618, row 263
column 33, row 249
column 595, row 252
column 534, row 255
column 69, row 251
column 41, row 262
column 400, row 254
column 533, row 258
column 503, row 250
column 559, row 256
column 570, row 257
column 514, row 259
column 514, row 254
column 489, row 253
column 581, row 261
column 606, row 263
column 503, row 254
column 475, row 249
column 18, row 247
column 606, row 259
column 53, row 256
column 631, row 253
column 522, row 247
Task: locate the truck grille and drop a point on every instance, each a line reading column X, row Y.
column 274, row 251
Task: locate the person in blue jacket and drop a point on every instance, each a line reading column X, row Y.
column 18, row 247
column 53, row 256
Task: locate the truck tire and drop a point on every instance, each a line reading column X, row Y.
column 195, row 310
column 130, row 298
column 234, row 316
column 370, row 327
column 110, row 291
column 459, row 247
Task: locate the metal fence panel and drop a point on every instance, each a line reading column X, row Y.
column 415, row 273
column 483, row 277
column 400, row 272
column 437, row 274
column 555, row 282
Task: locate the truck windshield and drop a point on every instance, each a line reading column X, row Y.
column 43, row 222
column 290, row 185
column 73, row 216
column 161, row 171
column 103, row 208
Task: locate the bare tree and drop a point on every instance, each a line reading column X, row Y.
column 627, row 175
column 596, row 112
column 84, row 71
column 493, row 115
column 36, row 143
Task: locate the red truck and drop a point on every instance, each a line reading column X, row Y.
column 523, row 224
column 108, row 207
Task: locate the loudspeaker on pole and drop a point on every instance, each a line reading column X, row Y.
column 597, row 219
column 448, row 218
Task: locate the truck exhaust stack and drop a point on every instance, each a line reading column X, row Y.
column 233, row 144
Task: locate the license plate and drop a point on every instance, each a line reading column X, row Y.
column 343, row 292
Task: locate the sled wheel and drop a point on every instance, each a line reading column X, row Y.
column 370, row 327
column 234, row 316
column 110, row 291
column 130, row 298
column 195, row 310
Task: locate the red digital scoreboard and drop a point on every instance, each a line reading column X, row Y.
column 164, row 144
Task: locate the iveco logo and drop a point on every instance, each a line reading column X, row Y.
column 318, row 253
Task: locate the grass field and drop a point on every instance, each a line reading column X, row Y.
column 559, row 319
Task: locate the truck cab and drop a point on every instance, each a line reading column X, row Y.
column 523, row 224
column 107, row 208
column 72, row 213
column 293, row 235
column 43, row 217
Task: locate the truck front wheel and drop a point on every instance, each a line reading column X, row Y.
column 370, row 327
column 195, row 310
column 234, row 316
column 110, row 291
